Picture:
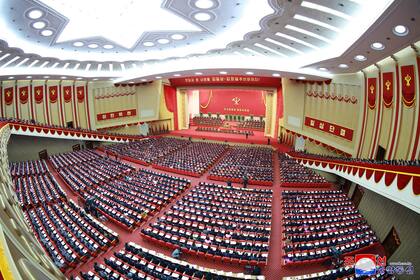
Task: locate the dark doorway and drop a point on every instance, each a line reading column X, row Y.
column 76, row 147
column 391, row 242
column 380, row 154
column 43, row 154
column 346, row 186
column 357, row 196
column 89, row 144
column 70, row 124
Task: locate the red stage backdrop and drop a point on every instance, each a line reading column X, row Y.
column 232, row 102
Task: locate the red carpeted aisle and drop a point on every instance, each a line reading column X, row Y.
column 273, row 271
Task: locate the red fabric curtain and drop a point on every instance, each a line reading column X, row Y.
column 170, row 101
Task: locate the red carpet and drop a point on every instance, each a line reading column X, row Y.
column 273, row 270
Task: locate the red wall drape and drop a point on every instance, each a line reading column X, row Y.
column 171, row 102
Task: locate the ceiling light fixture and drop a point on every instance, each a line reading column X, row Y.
column 198, row 73
column 46, row 77
column 204, row 4
column 158, row 77
column 108, row 46
column 148, row 44
column 95, row 79
column 316, row 22
column 360, row 57
column 11, row 78
column 78, row 44
column 46, row 32
column 377, row 46
column 249, row 73
column 302, row 78
column 163, row 41
column 275, row 75
column 323, row 69
column 63, row 77
column 324, row 9
column 39, row 24
column 201, row 16
column 79, row 78
column 143, row 80
column 93, row 46
column 177, row 75
column 342, row 65
column 223, row 72
column 177, row 36
column 400, row 30
column 35, row 14
column 28, row 77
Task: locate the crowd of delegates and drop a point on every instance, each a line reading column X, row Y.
column 67, row 233
column 225, row 130
column 114, row 189
column 136, row 262
column 398, row 162
column 77, row 129
column 208, row 121
column 321, row 224
column 148, row 150
column 253, row 163
column 252, row 124
column 294, row 174
column 225, row 223
column 193, row 159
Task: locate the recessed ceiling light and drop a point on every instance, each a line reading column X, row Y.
column 223, row 72
column 78, row 44
column 79, row 78
column 93, row 46
column 177, row 75
column 342, row 65
column 63, row 77
column 95, row 79
column 400, row 30
column 177, row 36
column 143, row 80
column 39, row 24
column 158, row 77
column 163, row 41
column 202, row 16
column 249, row 73
column 198, row 73
column 108, row 46
column 35, row 14
column 46, row 77
column 377, row 46
column 11, row 78
column 148, row 44
column 275, row 75
column 46, row 32
column 131, row 82
column 360, row 57
column 323, row 69
column 204, row 4
column 111, row 79
column 302, row 78
column 28, row 77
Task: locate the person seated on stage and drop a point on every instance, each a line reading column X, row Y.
column 176, row 254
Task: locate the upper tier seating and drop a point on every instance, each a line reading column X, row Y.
column 256, row 163
column 148, row 150
column 208, row 121
column 252, row 124
column 193, row 159
column 136, row 262
column 221, row 222
column 292, row 174
column 316, row 221
column 77, row 129
column 66, row 233
column 397, row 162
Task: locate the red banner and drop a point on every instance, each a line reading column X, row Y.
column 67, row 93
column 371, row 88
column 116, row 115
column 232, row 101
column 226, row 80
column 39, row 94
column 408, row 85
column 53, row 93
column 23, row 95
column 8, row 95
column 80, row 93
column 388, row 88
column 330, row 128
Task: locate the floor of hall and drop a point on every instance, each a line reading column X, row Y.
column 273, row 271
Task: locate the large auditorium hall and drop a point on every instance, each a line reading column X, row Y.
column 209, row 139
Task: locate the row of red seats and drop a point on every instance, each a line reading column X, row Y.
column 30, row 167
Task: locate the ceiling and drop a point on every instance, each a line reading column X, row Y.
column 143, row 40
